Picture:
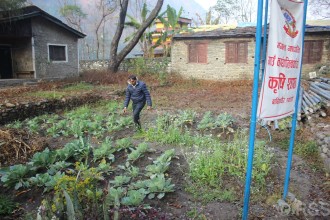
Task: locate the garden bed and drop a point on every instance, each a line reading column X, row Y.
column 204, row 122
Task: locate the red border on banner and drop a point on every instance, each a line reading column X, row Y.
column 296, row 2
column 279, row 115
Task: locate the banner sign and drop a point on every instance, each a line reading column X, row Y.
column 283, row 60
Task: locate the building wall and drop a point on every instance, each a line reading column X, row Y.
column 325, row 55
column 215, row 68
column 44, row 33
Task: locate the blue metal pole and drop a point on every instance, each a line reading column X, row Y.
column 264, row 43
column 253, row 112
column 294, row 116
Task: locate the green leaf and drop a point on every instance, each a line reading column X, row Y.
column 151, row 196
column 69, row 206
column 160, row 195
column 133, row 198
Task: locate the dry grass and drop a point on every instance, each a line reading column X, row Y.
column 17, row 146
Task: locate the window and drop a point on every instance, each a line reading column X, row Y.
column 197, row 53
column 236, row 52
column 312, row 51
column 57, row 53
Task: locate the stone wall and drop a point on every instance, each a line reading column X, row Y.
column 10, row 112
column 129, row 64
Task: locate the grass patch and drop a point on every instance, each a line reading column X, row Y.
column 48, row 94
column 194, row 214
column 306, row 150
column 206, row 194
column 7, row 205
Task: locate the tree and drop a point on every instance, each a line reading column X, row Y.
column 115, row 57
column 226, row 9
column 145, row 40
column 6, row 5
column 320, row 8
column 73, row 15
column 240, row 10
column 105, row 8
column 171, row 23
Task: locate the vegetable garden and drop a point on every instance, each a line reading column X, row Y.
column 88, row 163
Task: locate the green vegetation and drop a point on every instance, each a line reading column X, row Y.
column 48, row 94
column 7, row 205
column 213, row 163
column 76, row 173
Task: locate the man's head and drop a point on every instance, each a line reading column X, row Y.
column 132, row 79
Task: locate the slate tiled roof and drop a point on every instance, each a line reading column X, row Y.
column 239, row 32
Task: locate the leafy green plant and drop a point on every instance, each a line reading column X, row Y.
column 161, row 164
column 16, row 124
column 207, row 121
column 45, row 180
column 33, row 125
column 58, row 166
column 133, row 171
column 106, row 150
column 80, row 148
column 134, row 197
column 224, row 120
column 44, row 158
column 159, row 185
column 16, row 176
column 165, row 157
column 186, row 117
column 120, row 180
column 123, row 143
column 138, row 152
column 7, row 205
column 113, row 199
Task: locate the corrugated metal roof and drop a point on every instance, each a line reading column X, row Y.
column 34, row 11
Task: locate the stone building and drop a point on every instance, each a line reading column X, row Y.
column 229, row 54
column 34, row 44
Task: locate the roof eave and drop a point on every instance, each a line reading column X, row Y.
column 213, row 37
column 46, row 16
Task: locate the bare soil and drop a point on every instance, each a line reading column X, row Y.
column 307, row 183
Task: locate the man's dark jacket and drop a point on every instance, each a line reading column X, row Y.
column 137, row 93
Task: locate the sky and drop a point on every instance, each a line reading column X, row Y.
column 206, row 4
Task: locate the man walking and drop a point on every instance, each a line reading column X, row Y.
column 137, row 92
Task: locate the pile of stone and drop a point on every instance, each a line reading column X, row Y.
column 322, row 132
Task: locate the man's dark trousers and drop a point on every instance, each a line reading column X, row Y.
column 137, row 108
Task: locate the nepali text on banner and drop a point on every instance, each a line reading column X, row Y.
column 283, row 60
